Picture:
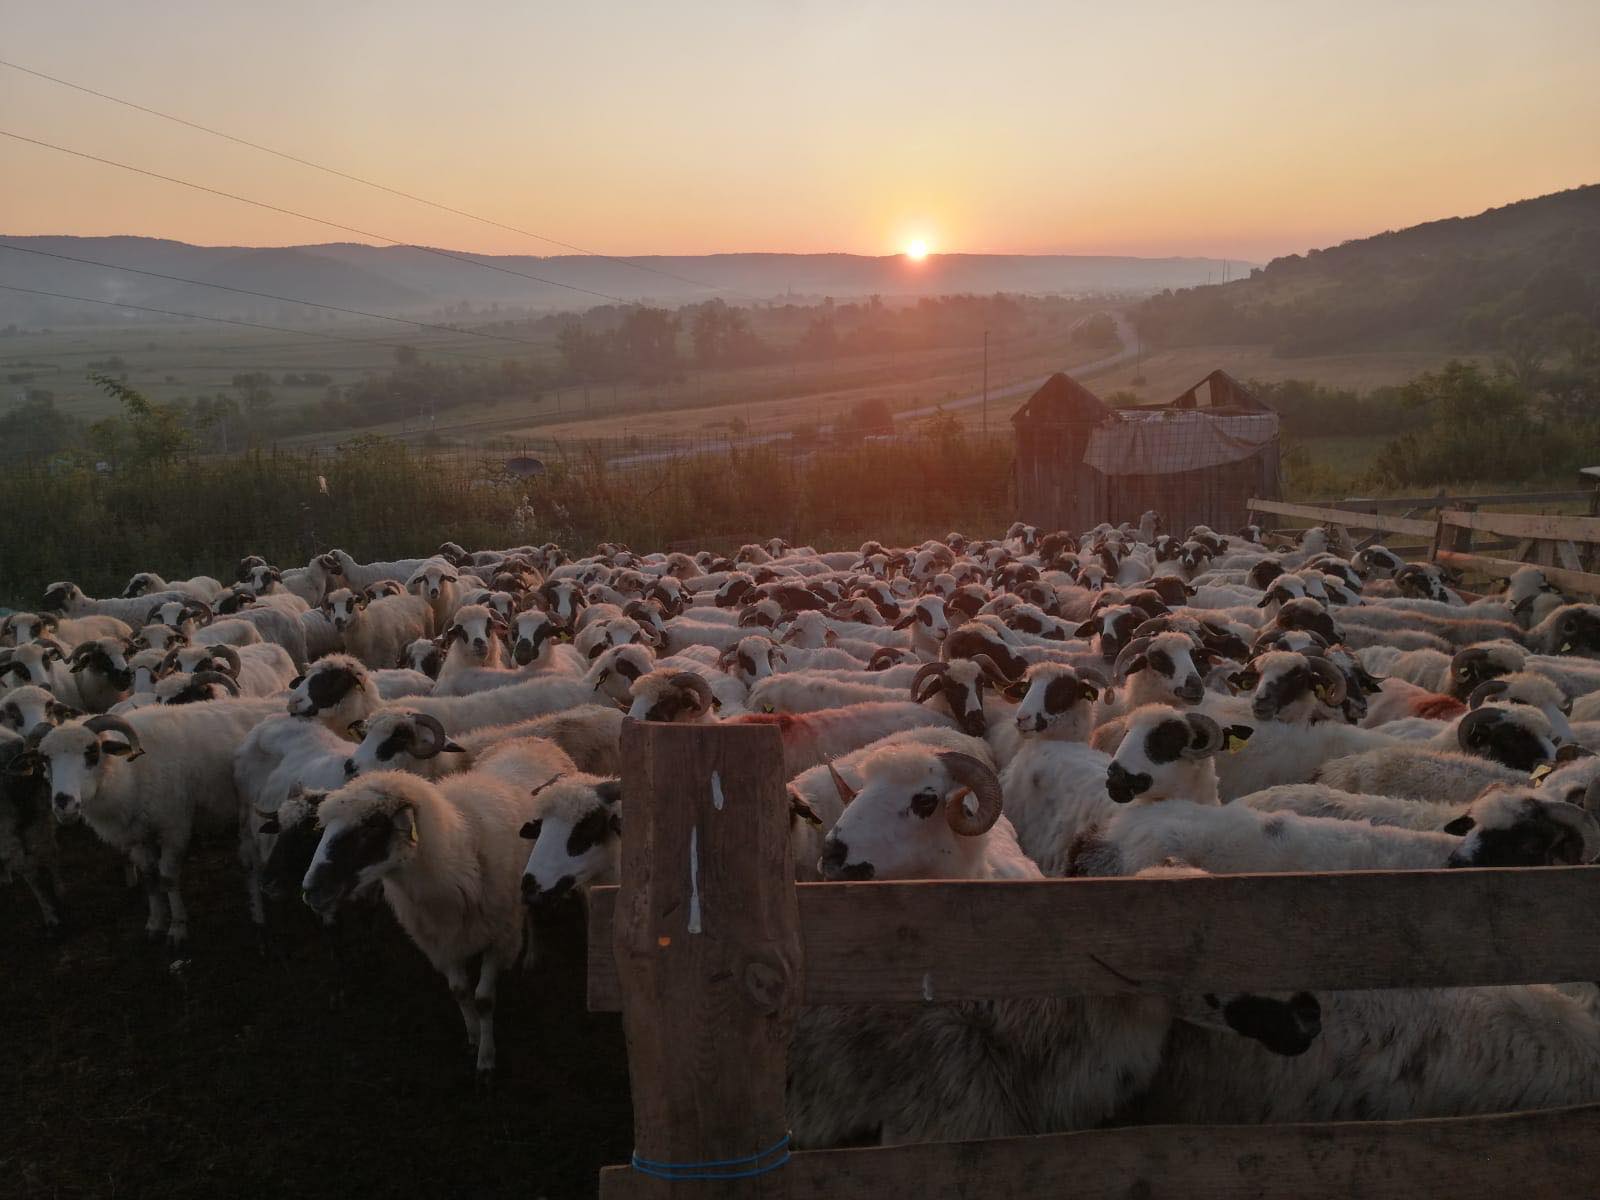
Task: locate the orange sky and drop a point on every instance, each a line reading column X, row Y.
column 1239, row 129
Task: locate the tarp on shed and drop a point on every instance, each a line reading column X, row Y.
column 1168, row 441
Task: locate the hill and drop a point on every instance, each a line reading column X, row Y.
column 410, row 281
column 1450, row 283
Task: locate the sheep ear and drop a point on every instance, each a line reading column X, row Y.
column 1235, row 736
column 610, row 791
column 1461, row 826
column 405, row 821
column 1085, row 630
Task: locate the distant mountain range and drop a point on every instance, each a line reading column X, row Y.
column 1444, row 283
column 405, row 280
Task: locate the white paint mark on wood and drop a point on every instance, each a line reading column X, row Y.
column 716, row 791
column 927, row 987
column 694, row 880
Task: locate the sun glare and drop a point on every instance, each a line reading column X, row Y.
column 917, row 249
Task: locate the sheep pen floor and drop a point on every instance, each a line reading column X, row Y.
column 240, row 1077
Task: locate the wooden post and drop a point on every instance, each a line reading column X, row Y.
column 707, row 939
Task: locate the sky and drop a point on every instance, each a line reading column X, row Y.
column 1152, row 127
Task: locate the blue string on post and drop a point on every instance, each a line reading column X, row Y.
column 725, row 1168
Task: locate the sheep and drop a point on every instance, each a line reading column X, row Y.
column 67, row 600
column 1534, row 690
column 376, row 631
column 360, row 576
column 535, row 641
column 201, row 587
column 1296, row 689
column 1415, row 773
column 474, row 659
column 423, row 656
column 575, row 829
column 31, row 710
column 20, row 627
column 144, row 783
column 1319, row 800
column 398, row 683
column 100, row 672
column 962, row 689
column 42, row 663
column 449, row 859
column 893, row 1074
column 808, row 739
column 1168, row 755
column 269, row 622
column 436, row 582
column 264, row 669
column 27, row 834
column 1478, row 664
column 1571, row 629
column 1055, row 787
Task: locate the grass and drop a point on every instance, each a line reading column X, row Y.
column 238, row 1077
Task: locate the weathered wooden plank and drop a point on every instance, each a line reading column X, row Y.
column 894, row 942
column 706, row 945
column 1355, row 520
column 1402, row 503
column 1525, row 525
column 1554, row 1153
column 1501, row 568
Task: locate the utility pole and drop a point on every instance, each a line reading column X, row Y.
column 985, row 383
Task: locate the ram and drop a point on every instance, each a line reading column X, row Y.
column 20, row 627
column 147, row 782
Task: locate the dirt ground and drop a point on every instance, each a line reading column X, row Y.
column 241, row 1075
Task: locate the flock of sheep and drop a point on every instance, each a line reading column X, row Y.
column 443, row 732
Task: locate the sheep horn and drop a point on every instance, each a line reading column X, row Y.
column 696, row 684
column 976, row 778
column 1213, row 742
column 1131, row 651
column 227, row 681
column 110, row 724
column 995, row 675
column 1090, row 675
column 1468, row 730
column 229, row 655
column 846, row 792
column 927, row 671
column 1330, row 677
column 48, row 620
column 437, row 738
column 1487, row 690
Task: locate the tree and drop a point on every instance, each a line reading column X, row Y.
column 1524, row 345
column 155, row 433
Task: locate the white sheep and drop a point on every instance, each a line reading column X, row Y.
column 377, row 631
column 449, row 858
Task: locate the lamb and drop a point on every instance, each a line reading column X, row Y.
column 27, row 834
column 144, row 783
column 377, row 631
column 449, row 860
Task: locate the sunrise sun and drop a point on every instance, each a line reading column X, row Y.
column 917, row 249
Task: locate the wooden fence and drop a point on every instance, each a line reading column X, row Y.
column 709, row 949
column 1460, row 535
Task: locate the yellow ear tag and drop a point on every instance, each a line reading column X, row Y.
column 1566, row 647
column 1232, row 743
column 1542, row 771
column 1321, row 692
column 767, row 708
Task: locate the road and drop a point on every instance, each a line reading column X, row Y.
column 1130, row 347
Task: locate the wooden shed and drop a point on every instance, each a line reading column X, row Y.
column 1196, row 460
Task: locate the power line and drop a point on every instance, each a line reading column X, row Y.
column 366, row 233
column 167, row 312
column 393, row 191
column 222, row 287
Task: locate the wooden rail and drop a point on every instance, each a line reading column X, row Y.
column 1319, row 515
column 714, row 949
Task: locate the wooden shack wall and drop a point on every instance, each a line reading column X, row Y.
column 1055, row 490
